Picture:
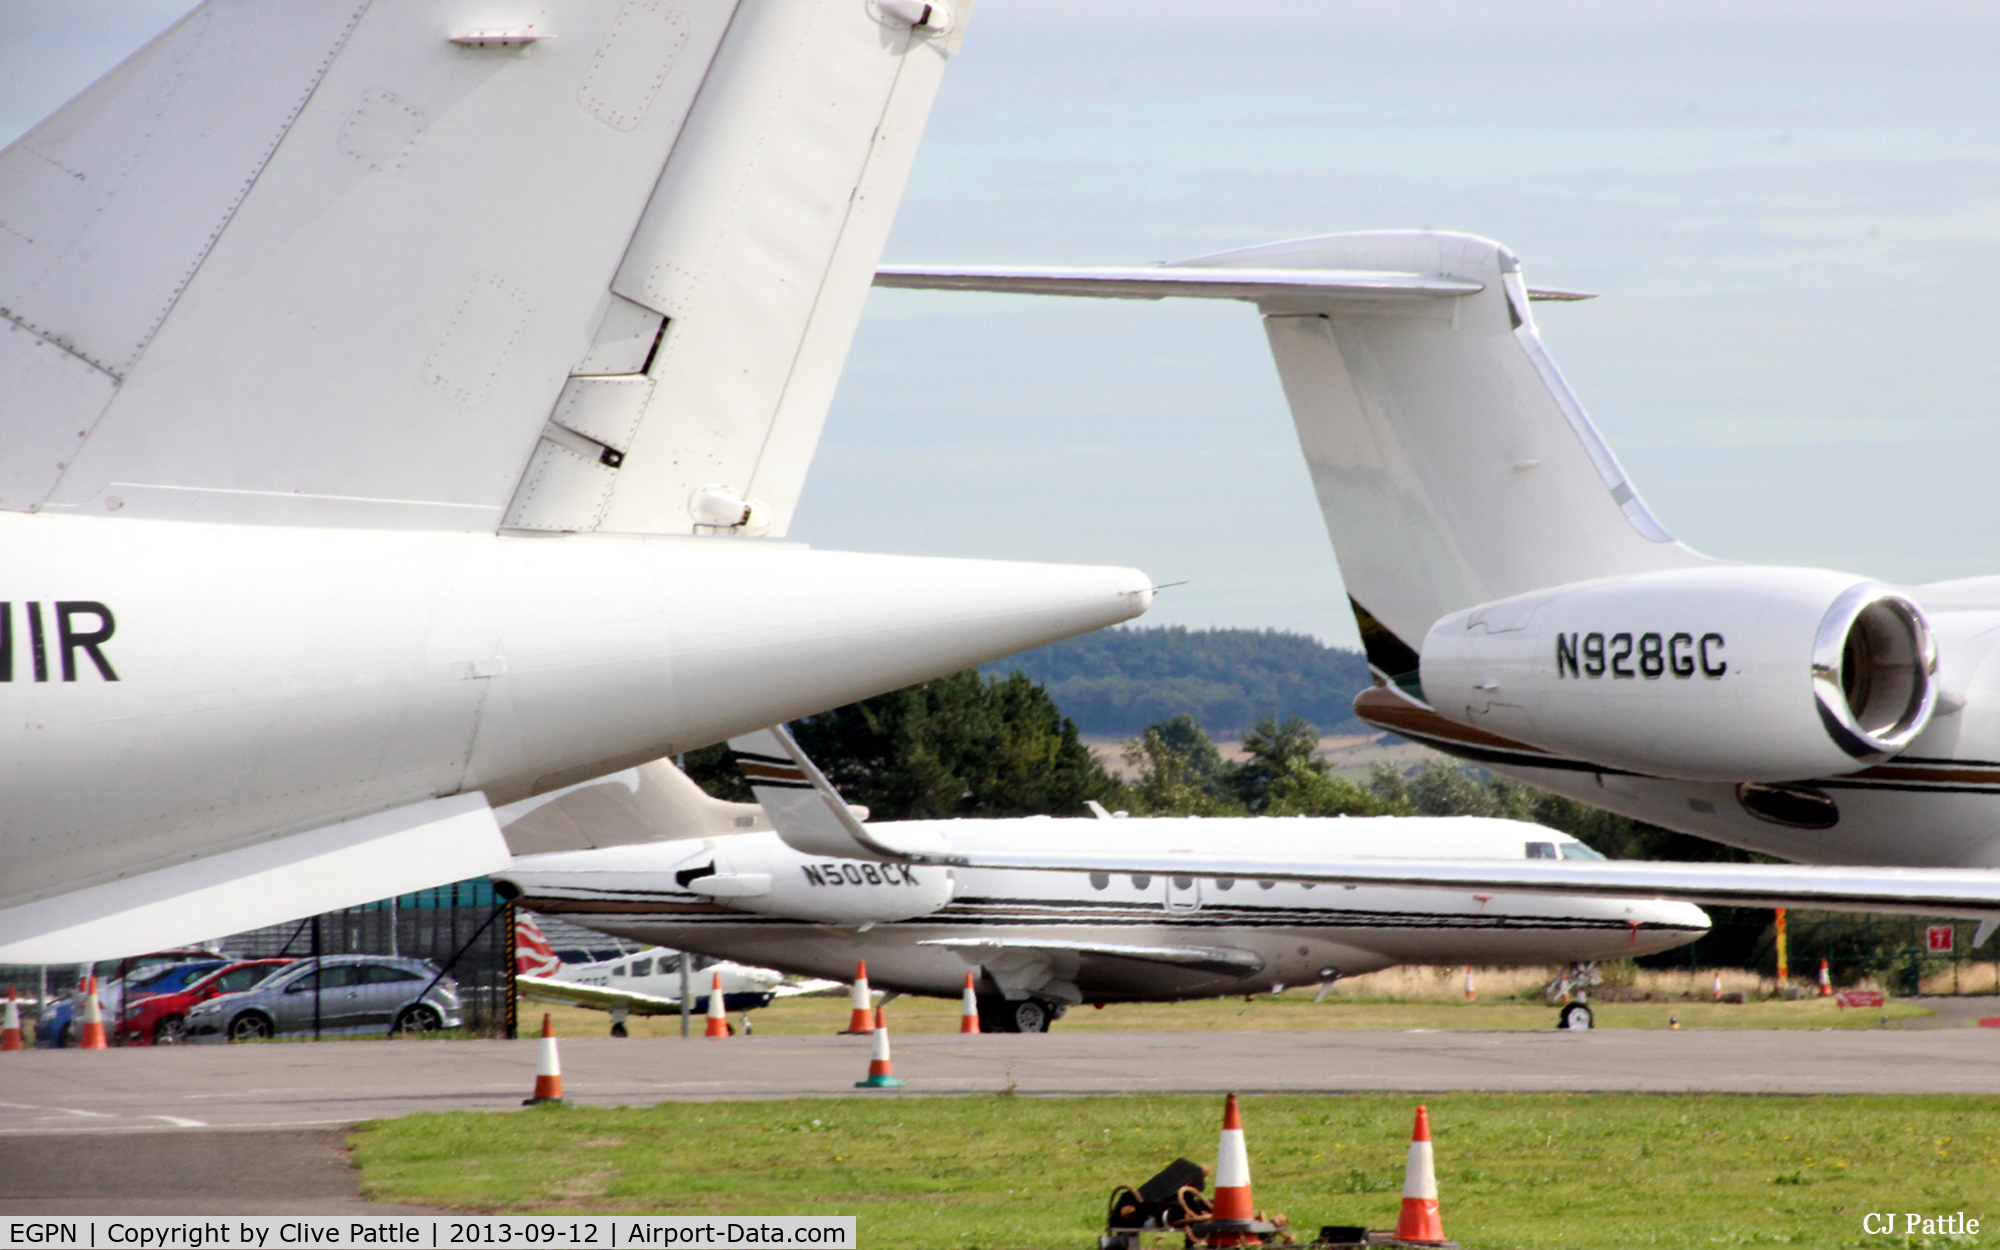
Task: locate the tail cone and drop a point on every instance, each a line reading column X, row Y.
column 862, row 1018
column 93, row 1018
column 548, row 1070
column 879, row 1074
column 968, row 1019
column 718, row 1020
column 1420, row 1220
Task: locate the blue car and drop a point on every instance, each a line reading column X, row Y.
column 62, row 1024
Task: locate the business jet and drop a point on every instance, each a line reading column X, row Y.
column 1040, row 942
column 1521, row 607
column 401, row 408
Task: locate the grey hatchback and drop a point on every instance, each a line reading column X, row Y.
column 355, row 993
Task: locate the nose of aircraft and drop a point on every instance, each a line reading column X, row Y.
column 1664, row 925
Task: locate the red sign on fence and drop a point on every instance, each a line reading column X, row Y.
column 1937, row 939
column 1858, row 998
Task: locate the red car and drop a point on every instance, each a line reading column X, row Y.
column 161, row 1019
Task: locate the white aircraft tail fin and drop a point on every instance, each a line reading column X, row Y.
column 808, row 813
column 1452, row 463
column 655, row 802
column 327, row 262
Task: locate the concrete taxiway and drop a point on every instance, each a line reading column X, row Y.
column 287, row 1085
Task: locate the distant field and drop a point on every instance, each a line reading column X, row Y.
column 1293, row 1009
column 1536, row 1172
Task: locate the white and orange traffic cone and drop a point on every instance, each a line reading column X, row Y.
column 1420, row 1220
column 1232, row 1180
column 1470, row 993
column 879, row 1074
column 862, row 1018
column 10, row 1027
column 1717, row 995
column 548, row 1069
column 718, row 1018
column 968, row 1017
column 1825, row 981
column 92, row 1035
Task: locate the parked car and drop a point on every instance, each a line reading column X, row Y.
column 159, row 1017
column 61, row 1024
column 356, row 994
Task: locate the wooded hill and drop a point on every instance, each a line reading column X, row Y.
column 1115, row 682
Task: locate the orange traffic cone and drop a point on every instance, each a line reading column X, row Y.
column 879, row 1075
column 1232, row 1180
column 548, row 1070
column 1825, row 981
column 968, row 1019
column 718, row 1019
column 10, row 1028
column 1717, row 994
column 1469, row 992
column 1420, row 1221
column 862, row 1018
column 92, row 1037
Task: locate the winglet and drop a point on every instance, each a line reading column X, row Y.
column 806, row 810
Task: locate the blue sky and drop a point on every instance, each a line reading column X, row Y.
column 1790, row 210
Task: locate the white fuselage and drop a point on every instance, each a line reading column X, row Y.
column 1934, row 804
column 178, row 689
column 922, row 928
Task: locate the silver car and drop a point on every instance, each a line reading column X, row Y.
column 356, row 993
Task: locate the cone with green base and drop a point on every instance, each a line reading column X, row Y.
column 879, row 1075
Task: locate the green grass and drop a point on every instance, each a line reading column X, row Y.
column 1293, row 1009
column 1515, row 1170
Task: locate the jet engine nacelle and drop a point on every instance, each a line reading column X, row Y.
column 1716, row 674
column 834, row 891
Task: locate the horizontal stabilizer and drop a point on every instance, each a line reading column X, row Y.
column 1161, row 281
column 1206, row 958
column 357, row 861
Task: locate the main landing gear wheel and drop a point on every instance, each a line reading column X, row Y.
column 1576, row 1016
column 1021, row 1015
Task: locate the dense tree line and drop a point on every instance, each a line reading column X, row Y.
column 1115, row 682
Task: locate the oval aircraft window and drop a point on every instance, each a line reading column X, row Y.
column 1184, row 883
column 1800, row 807
column 1225, row 883
column 1100, row 880
column 1140, row 881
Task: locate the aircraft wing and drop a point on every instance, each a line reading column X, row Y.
column 1222, row 959
column 810, row 815
column 1195, row 281
column 599, row 997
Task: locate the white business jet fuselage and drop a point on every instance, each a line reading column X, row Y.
column 1053, row 939
column 1521, row 607
column 395, row 397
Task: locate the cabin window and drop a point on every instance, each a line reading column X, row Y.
column 619, row 971
column 1266, row 885
column 1541, row 850
column 1100, row 880
column 1141, row 881
column 1225, row 883
column 642, row 967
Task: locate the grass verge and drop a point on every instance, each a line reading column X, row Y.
column 994, row 1172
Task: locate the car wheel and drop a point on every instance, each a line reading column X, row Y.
column 171, row 1031
column 1576, row 1016
column 251, row 1027
column 419, row 1019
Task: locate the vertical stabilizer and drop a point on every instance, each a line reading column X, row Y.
column 564, row 265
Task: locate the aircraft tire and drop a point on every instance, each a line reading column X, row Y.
column 1019, row 1015
column 1576, row 1016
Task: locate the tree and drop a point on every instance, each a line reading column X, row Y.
column 960, row 745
